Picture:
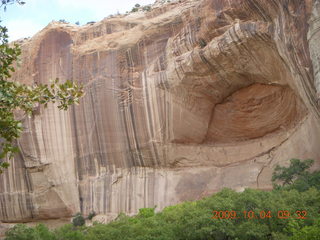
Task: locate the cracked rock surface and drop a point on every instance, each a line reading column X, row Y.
column 180, row 102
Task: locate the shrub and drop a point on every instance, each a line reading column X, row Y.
column 146, row 8
column 134, row 9
column 197, row 220
column 78, row 220
column 202, row 43
column 296, row 176
column 63, row 21
column 91, row 215
column 68, row 232
column 22, row 232
column 146, row 212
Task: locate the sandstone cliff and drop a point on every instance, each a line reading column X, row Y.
column 180, row 102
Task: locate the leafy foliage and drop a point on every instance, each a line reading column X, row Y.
column 19, row 97
column 202, row 43
column 146, row 212
column 193, row 220
column 68, row 232
column 78, row 220
column 307, row 232
column 22, row 232
column 135, row 9
column 4, row 3
column 146, row 8
column 296, row 176
column 63, row 21
column 91, row 215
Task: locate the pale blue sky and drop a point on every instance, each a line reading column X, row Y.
column 26, row 20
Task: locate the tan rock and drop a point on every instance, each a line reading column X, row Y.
column 180, row 102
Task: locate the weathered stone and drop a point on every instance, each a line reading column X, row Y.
column 180, row 102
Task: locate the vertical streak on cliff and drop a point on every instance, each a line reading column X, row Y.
column 313, row 40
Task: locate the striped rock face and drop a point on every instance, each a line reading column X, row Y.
column 180, row 102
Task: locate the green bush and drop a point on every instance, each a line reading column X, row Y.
column 134, row 9
column 78, row 220
column 146, row 212
column 306, row 233
column 258, row 217
column 202, row 43
column 63, row 21
column 91, row 215
column 69, row 232
column 146, row 8
column 22, row 232
column 296, row 176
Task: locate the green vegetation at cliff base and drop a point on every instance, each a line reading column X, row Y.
column 259, row 215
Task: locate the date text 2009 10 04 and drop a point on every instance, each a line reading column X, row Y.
column 282, row 214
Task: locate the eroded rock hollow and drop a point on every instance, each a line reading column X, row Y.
column 181, row 101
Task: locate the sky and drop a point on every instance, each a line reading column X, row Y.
column 26, row 20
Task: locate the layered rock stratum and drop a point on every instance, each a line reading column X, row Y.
column 181, row 101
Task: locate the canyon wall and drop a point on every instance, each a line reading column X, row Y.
column 181, row 101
